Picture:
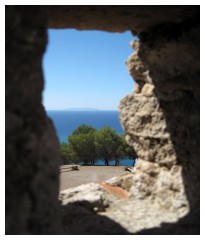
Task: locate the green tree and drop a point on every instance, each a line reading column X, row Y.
column 82, row 142
column 119, row 153
column 83, row 129
column 67, row 155
column 108, row 143
column 129, row 151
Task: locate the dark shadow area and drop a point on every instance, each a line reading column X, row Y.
column 79, row 218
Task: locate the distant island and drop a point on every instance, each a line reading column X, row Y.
column 82, row 109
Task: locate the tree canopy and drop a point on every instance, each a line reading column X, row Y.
column 108, row 143
column 67, row 155
column 86, row 145
column 82, row 142
column 84, row 129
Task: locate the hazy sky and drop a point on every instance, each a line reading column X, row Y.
column 86, row 69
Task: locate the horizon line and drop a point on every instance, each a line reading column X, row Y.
column 81, row 109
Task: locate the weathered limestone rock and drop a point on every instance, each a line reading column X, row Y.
column 157, row 188
column 80, row 218
column 91, row 192
column 143, row 119
column 161, row 116
column 164, row 187
column 83, row 204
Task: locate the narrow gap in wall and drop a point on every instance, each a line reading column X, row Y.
column 85, row 79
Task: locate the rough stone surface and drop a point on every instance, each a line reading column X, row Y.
column 84, row 205
column 80, row 218
column 116, row 18
column 157, row 188
column 31, row 153
column 91, row 192
column 161, row 120
column 161, row 116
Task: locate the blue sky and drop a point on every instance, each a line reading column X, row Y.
column 86, row 69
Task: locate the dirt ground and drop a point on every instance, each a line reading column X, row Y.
column 86, row 174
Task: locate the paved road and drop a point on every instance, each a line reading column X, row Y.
column 87, row 174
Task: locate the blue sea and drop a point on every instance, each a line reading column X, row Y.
column 66, row 122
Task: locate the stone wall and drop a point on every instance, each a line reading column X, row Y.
column 160, row 117
column 31, row 143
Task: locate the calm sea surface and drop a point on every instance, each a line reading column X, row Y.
column 66, row 122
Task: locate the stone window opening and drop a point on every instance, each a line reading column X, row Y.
column 164, row 189
column 64, row 170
